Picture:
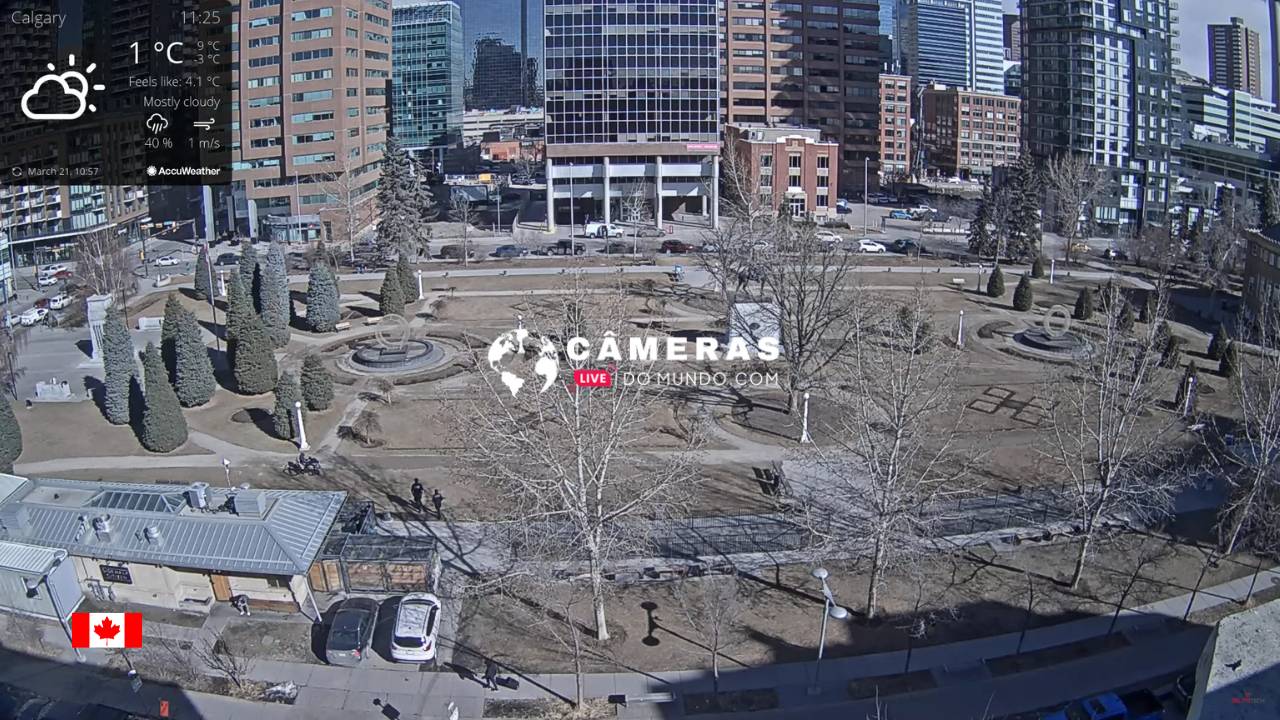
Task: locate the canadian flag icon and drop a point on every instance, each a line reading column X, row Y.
column 106, row 630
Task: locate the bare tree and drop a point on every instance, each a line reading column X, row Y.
column 742, row 196
column 712, row 606
column 804, row 293
column 635, row 210
column 462, row 211
column 350, row 206
column 1074, row 181
column 103, row 263
column 888, row 465
column 222, row 657
column 1252, row 452
column 569, row 458
column 1108, row 438
column 367, row 427
column 386, row 389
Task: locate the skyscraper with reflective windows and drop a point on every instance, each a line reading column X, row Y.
column 502, row 46
column 632, row 110
column 959, row 43
column 426, row 76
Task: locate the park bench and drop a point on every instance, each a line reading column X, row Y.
column 653, row 697
column 958, row 282
column 344, row 325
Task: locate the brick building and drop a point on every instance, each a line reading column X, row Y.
column 965, row 134
column 1262, row 270
column 895, row 126
column 796, row 168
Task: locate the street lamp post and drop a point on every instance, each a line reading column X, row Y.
column 960, row 332
column 302, row 430
column 226, row 470
column 420, row 295
column 829, row 608
column 865, row 167
column 804, row 422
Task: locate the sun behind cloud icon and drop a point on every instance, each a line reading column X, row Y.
column 80, row 93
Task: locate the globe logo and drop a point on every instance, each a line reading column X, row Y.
column 519, row 345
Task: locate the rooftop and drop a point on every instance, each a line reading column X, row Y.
column 1242, row 680
column 31, row 559
column 273, row 532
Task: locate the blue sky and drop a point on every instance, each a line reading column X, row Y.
column 1196, row 15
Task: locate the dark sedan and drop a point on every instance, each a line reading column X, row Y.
column 509, row 251
column 351, row 631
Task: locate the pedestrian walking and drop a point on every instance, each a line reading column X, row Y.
column 241, row 604
column 491, row 674
column 437, row 500
column 417, row 490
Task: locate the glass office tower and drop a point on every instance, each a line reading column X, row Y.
column 502, row 45
column 632, row 109
column 426, row 76
column 959, row 43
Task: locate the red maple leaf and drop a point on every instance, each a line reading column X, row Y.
column 106, row 629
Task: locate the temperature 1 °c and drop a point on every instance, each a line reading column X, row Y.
column 166, row 49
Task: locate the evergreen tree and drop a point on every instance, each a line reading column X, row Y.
column 1124, row 319
column 1171, row 353
column 248, row 264
column 239, row 312
column 287, row 393
column 119, row 368
column 163, row 427
column 391, row 295
column 193, row 380
column 995, row 284
column 317, row 384
column 1084, row 305
column 981, row 241
column 1218, row 343
column 408, row 282
column 203, row 283
column 10, row 436
column 169, row 331
column 1192, row 373
column 1023, row 295
column 402, row 200
column 1025, row 216
column 1230, row 360
column 1270, row 205
column 1163, row 333
column 253, row 363
column 273, row 295
column 1037, row 267
column 322, row 299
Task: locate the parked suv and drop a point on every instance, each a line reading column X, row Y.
column 351, row 631
column 417, row 624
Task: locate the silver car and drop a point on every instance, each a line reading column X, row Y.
column 351, row 632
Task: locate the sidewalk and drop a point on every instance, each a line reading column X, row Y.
column 963, row 683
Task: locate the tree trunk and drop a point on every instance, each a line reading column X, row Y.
column 577, row 664
column 1078, row 573
column 873, row 582
column 597, row 602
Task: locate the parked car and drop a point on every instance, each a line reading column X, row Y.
column 1079, row 247
column 908, row 247
column 899, row 215
column 351, row 631
column 563, row 247
column 867, row 245
column 618, row 248
column 226, row 259
column 417, row 624
column 843, row 209
column 1137, row 705
column 921, row 212
column 649, row 231
column 168, row 261
column 675, row 246
column 454, row 252
column 827, row 236
column 59, row 301
column 602, row 230
column 954, row 180
column 509, row 251
column 46, row 279
column 31, row 316
column 53, row 269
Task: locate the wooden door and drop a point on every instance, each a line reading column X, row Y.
column 221, row 587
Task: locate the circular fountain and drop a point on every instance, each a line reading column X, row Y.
column 1066, row 345
column 392, row 351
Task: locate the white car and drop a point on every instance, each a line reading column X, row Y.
column 46, row 279
column 417, row 625
column 59, row 301
column 168, row 261
column 827, row 236
column 601, row 230
column 53, row 269
column 31, row 316
column 866, row 245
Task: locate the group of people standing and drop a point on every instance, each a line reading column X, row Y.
column 417, row 491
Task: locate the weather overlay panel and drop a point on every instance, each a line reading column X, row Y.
column 116, row 92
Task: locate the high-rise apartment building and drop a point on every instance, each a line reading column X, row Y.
column 310, row 105
column 959, row 43
column 426, row 76
column 1235, row 57
column 505, row 37
column 1097, row 80
column 966, row 134
column 896, row 100
column 812, row 64
column 1012, row 38
column 631, row 108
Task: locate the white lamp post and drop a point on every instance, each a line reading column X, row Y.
column 226, row 469
column 222, row 283
column 1052, row 267
column 829, row 608
column 804, row 422
column 960, row 332
column 302, row 430
column 420, row 295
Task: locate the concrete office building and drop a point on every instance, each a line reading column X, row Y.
column 426, row 77
column 959, row 43
column 967, row 134
column 896, row 101
column 1012, row 37
column 795, row 167
column 631, row 109
column 1262, row 271
column 1237, row 117
column 809, row 64
column 503, row 41
column 1098, row 81
column 310, row 103
column 1235, row 57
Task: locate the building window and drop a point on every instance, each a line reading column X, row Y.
column 794, row 160
column 823, row 161
column 766, row 160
